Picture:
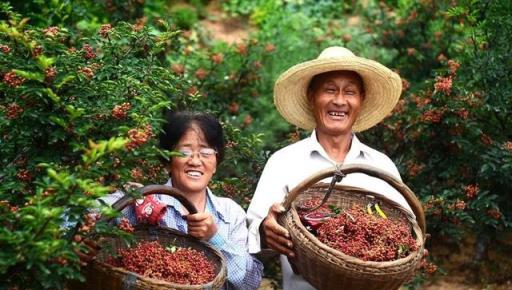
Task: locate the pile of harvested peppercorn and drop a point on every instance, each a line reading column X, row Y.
column 358, row 233
column 177, row 265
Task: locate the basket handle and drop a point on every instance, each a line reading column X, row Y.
column 409, row 196
column 124, row 201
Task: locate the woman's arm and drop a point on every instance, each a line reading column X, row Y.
column 244, row 270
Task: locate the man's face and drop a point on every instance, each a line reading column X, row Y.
column 336, row 99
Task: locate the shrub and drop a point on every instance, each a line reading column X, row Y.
column 77, row 120
column 184, row 17
column 78, row 117
column 449, row 133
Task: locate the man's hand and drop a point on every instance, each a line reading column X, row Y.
column 201, row 225
column 274, row 235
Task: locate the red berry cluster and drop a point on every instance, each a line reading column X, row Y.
column 154, row 171
column 217, row 58
column 311, row 203
column 59, row 260
column 7, row 205
column 367, row 237
column 471, row 190
column 494, row 213
column 5, row 49
column 486, row 139
column 125, row 225
column 229, row 189
column 444, row 85
column 24, row 175
column 89, row 222
column 13, row 111
column 454, row 66
column 270, row 47
column 87, row 72
column 88, row 51
column 13, row 80
column 241, row 48
column 49, row 74
column 183, row 266
column 425, row 266
column 121, row 111
column 137, row 174
column 178, row 68
column 432, row 116
column 508, row 146
column 37, row 51
column 201, row 73
column 138, row 137
column 104, row 30
column 51, row 31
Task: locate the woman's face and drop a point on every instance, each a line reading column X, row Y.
column 192, row 173
column 336, row 100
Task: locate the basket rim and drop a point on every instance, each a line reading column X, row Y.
column 420, row 238
column 344, row 169
column 102, row 266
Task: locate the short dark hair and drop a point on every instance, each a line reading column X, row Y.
column 177, row 123
column 315, row 81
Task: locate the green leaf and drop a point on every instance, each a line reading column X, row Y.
column 171, row 249
column 58, row 121
column 74, row 113
column 45, row 62
column 30, row 75
column 54, row 97
column 65, row 80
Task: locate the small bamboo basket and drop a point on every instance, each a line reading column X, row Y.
column 329, row 269
column 102, row 276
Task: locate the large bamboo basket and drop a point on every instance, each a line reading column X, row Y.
column 101, row 276
column 329, row 269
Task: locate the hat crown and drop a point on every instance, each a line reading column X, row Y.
column 335, row 51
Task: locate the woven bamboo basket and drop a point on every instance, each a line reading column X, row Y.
column 102, row 276
column 329, row 269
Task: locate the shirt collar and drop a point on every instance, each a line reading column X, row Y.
column 357, row 149
column 212, row 203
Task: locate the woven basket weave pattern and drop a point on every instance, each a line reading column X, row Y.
column 101, row 276
column 328, row 269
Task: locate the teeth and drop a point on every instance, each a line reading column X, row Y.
column 338, row 114
column 194, row 173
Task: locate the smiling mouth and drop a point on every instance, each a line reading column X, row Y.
column 337, row 114
column 194, row 173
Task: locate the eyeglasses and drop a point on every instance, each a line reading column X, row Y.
column 204, row 153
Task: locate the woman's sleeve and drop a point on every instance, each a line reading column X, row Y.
column 244, row 270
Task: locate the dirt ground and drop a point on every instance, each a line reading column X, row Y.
column 220, row 27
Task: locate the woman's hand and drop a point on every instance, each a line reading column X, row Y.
column 274, row 235
column 201, row 225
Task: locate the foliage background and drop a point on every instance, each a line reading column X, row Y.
column 81, row 105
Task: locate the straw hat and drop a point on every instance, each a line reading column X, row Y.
column 382, row 88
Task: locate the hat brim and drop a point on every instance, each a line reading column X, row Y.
column 382, row 90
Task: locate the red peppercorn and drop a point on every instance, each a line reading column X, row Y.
column 177, row 265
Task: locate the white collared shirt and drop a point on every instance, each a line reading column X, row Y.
column 291, row 165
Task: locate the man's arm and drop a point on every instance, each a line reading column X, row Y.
column 264, row 231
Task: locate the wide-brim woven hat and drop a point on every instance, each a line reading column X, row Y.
column 381, row 85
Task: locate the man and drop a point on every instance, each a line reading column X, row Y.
column 334, row 95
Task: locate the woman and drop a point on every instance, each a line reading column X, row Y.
column 220, row 221
column 334, row 95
